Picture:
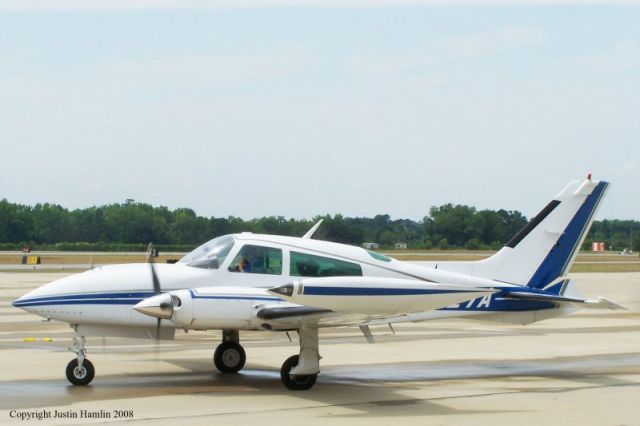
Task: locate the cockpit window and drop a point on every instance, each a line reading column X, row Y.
column 258, row 260
column 211, row 254
column 309, row 265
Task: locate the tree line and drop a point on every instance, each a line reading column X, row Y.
column 131, row 225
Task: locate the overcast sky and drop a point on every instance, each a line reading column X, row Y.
column 355, row 108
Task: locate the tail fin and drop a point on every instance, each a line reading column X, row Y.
column 545, row 248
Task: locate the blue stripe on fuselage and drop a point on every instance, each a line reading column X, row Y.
column 367, row 291
column 121, row 295
column 114, row 299
column 79, row 302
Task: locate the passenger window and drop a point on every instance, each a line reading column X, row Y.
column 258, row 260
column 308, row 265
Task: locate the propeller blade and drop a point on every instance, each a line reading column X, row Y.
column 149, row 248
column 156, row 288
column 154, row 278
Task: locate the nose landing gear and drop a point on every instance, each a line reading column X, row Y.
column 80, row 371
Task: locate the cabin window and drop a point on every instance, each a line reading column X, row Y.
column 258, row 260
column 379, row 256
column 309, row 265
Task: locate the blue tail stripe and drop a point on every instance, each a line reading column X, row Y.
column 557, row 260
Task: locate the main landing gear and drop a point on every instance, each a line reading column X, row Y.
column 300, row 372
column 80, row 371
column 229, row 356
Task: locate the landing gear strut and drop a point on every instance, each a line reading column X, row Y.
column 229, row 356
column 80, row 371
column 300, row 372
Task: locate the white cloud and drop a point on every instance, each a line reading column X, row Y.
column 25, row 5
column 630, row 169
column 418, row 68
column 386, row 64
column 115, row 80
column 618, row 59
column 491, row 42
column 210, row 69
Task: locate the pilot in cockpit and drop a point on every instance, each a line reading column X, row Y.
column 249, row 260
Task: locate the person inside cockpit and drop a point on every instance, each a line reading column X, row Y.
column 249, row 260
column 254, row 260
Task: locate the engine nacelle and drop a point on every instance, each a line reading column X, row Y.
column 208, row 307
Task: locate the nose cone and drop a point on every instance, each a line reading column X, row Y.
column 58, row 292
column 159, row 306
column 35, row 299
column 21, row 302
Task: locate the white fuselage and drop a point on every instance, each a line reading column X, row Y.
column 104, row 297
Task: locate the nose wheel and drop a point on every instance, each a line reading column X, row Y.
column 80, row 375
column 79, row 371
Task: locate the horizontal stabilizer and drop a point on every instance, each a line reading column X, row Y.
column 604, row 303
column 598, row 303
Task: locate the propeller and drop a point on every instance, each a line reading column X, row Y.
column 156, row 285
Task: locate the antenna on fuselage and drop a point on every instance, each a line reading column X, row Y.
column 311, row 231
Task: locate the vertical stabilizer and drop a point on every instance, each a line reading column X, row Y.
column 545, row 248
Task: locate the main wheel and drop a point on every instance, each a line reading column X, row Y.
column 298, row 381
column 80, row 376
column 229, row 357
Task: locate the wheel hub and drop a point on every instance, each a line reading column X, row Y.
column 231, row 357
column 80, row 372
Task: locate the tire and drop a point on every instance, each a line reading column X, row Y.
column 297, row 382
column 229, row 357
column 80, row 376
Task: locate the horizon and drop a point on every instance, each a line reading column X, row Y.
column 311, row 218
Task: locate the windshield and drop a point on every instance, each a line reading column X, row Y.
column 218, row 248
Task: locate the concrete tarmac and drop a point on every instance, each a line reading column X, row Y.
column 580, row 369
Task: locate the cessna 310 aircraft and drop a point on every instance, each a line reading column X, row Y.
column 266, row 282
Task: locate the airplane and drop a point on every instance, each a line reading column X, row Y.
column 275, row 283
